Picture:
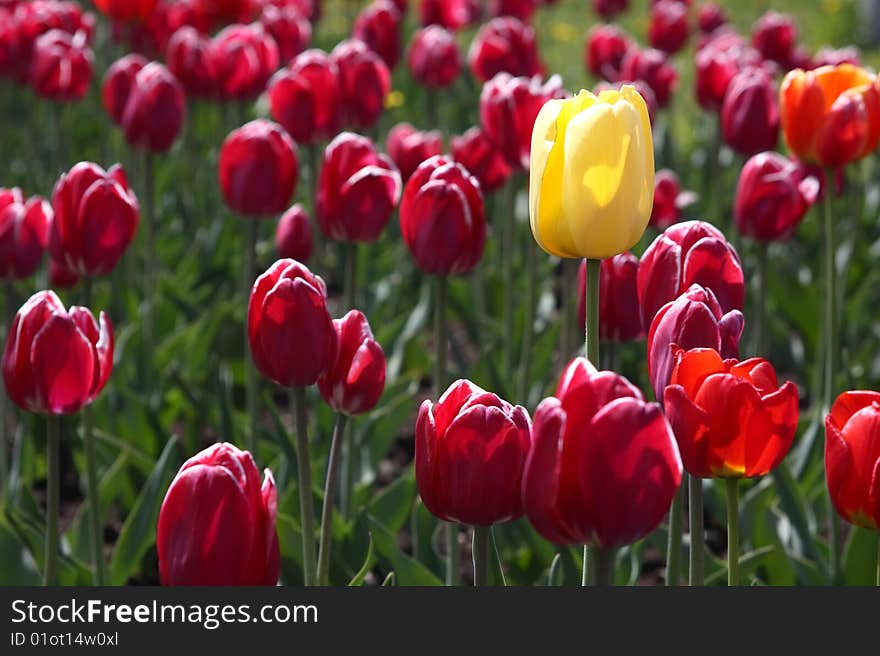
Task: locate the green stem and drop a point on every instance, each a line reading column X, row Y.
column 568, row 282
column 673, row 543
column 591, row 348
column 587, row 571
column 761, row 302
column 481, row 555
column 732, row 532
column 53, row 483
column 327, row 510
column 251, row 382
column 347, row 475
column 440, row 345
column 60, row 137
column 350, row 297
column 529, row 324
column 877, row 579
column 695, row 508
column 452, row 554
column 507, row 227
column 603, row 572
column 149, row 267
column 304, row 479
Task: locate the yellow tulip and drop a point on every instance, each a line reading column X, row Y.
column 591, row 185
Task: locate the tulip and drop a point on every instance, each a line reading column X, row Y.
column 689, row 253
column 478, row 154
column 603, row 467
column 409, row 147
column 155, row 109
column 774, row 35
column 24, row 233
column 293, row 236
column 450, row 14
column 304, row 97
column 96, row 217
column 364, row 83
column 710, row 17
column 217, row 523
column 60, row 277
column 245, row 57
column 357, row 190
column 189, row 59
column 520, row 9
column 433, row 57
column 378, row 25
column 504, row 45
column 608, row 9
column 619, row 317
column 118, row 82
column 228, row 10
column 644, row 90
column 669, row 199
column 836, row 57
column 126, row 10
column 750, row 113
column 668, row 28
column 61, row 68
column 289, row 28
column 583, row 202
column 607, row 45
column 652, row 67
column 258, row 169
column 718, row 62
column 10, row 44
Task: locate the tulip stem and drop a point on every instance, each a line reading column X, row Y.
column 350, row 292
column 877, row 579
column 507, row 258
column 603, row 571
column 761, row 302
column 149, row 268
column 481, row 555
column 673, row 542
column 304, row 479
column 327, row 510
column 452, row 555
column 732, row 532
column 529, row 323
column 568, row 277
column 53, row 483
column 250, row 274
column 591, row 348
column 695, row 508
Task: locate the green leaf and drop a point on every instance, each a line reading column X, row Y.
column 392, row 506
column 860, row 558
column 365, row 568
column 19, row 565
column 407, row 570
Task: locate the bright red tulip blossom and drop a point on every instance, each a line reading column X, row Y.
column 668, row 28
column 750, row 116
column 24, row 233
column 774, row 35
column 451, row 14
column 520, row 9
column 379, row 25
column 504, row 45
column 364, row 83
column 245, row 57
column 188, row 57
column 409, row 147
column 669, row 199
column 434, row 58
column 710, row 17
column 154, row 110
column 291, row 30
column 608, row 9
column 607, row 45
column 293, row 235
column 478, row 154
column 61, row 66
column 118, row 82
column 305, row 97
column 126, row 10
column 652, row 67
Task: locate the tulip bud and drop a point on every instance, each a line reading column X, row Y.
column 189, row 59
column 750, row 113
column 409, row 147
column 118, row 82
column 652, row 67
column 442, row 217
column 291, row 334
column 217, row 523
column 620, row 319
column 476, row 152
column 774, row 35
column 731, row 419
column 607, row 45
column 304, row 97
column 155, row 109
column 668, row 28
column 450, row 14
column 126, row 10
column 61, row 66
column 471, row 447
column 504, row 45
column 293, row 236
column 710, row 17
column 592, row 174
column 244, row 57
column 55, row 360
column 364, row 83
column 289, row 28
column 378, row 26
column 433, row 57
column 608, row 9
column 24, row 229
column 354, row 384
column 603, row 467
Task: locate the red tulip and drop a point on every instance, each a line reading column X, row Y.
column 710, row 17
column 24, row 233
column 471, row 448
column 433, row 57
column 750, row 113
column 694, row 320
column 118, row 82
column 289, row 28
column 304, row 97
column 33, row 19
column 508, row 109
column 293, row 236
column 520, row 9
column 604, row 466
column 620, row 319
column 731, row 419
column 258, row 169
column 685, row 254
column 96, row 217
column 669, row 199
column 606, row 47
column 646, row 92
column 355, row 382
column 364, row 83
column 718, row 62
column 358, row 190
column 245, row 57
column 378, row 25
column 774, row 35
column 772, row 196
column 442, row 218
column 10, row 44
column 832, row 57
column 668, row 29
column 852, row 457
column 61, row 67
column 654, row 68
column 126, row 10
column 409, row 147
column 170, row 16
column 155, row 109
column 504, row 45
column 189, row 59
column 217, row 523
column 229, row 10
column 56, row 361
column 608, row 9
column 478, row 154
column 60, row 277
column 451, row 14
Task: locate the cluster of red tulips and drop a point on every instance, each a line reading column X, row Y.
column 596, row 464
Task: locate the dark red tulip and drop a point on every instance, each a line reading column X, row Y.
column 61, row 66
column 293, row 236
column 358, row 190
column 291, row 334
column 231, row 11
column 96, row 217
column 189, row 59
column 172, row 15
column 606, row 47
column 291, row 30
column 710, row 17
column 471, row 449
column 520, row 9
column 620, row 319
column 378, row 25
column 409, row 147
column 354, row 384
column 694, row 320
column 364, row 83
column 772, row 196
column 478, row 154
column 245, row 57
column 836, row 57
column 10, row 44
column 646, row 92
column 652, row 67
column 604, row 466
column 442, row 218
column 31, row 20
column 608, row 9
column 217, row 523
column 433, row 57
column 504, row 45
column 155, row 109
column 126, row 10
column 508, row 109
column 56, row 361
column 304, row 97
column 717, row 63
column 693, row 252
column 118, row 82
column 668, row 29
column 774, row 35
column 24, row 233
column 60, row 277
column 750, row 114
column 669, row 199
column 258, row 169
column 451, row 14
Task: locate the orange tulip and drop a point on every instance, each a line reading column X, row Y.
column 831, row 115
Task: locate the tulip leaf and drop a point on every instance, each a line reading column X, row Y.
column 358, row 578
column 19, row 565
column 392, row 506
column 407, row 570
column 860, row 564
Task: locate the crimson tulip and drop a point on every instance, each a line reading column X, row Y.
column 126, row 10
column 750, row 113
column 607, row 45
column 442, row 217
column 55, row 360
column 620, row 319
column 60, row 277
column 652, row 67
column 245, row 57
column 717, row 62
column 478, row 154
column 504, row 45
column 710, row 17
column 188, row 56
column 520, row 9
column 471, row 449
column 433, row 57
column 96, row 217
column 258, row 169
column 358, row 190
column 217, row 522
column 608, row 9
column 305, row 97
column 451, row 14
column 293, row 235
column 364, row 83
column 118, row 82
column 669, row 199
column 289, row 28
column 31, row 20
column 229, row 10
column 604, row 466
column 668, row 28
column 24, row 233
column 10, row 44
column 61, row 66
column 836, row 57
column 409, row 147
column 774, row 35
column 155, row 109
column 378, row 25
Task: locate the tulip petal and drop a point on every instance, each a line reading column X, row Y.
column 63, row 362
